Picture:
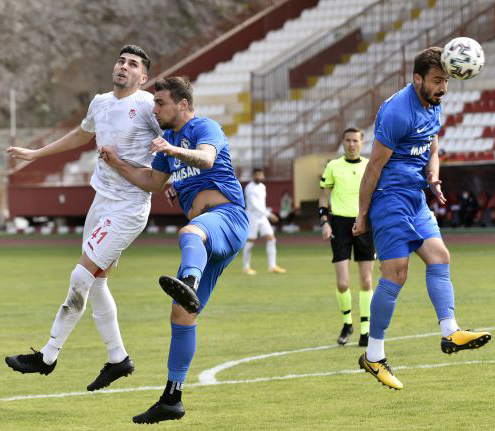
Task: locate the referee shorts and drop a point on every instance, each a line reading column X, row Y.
column 344, row 241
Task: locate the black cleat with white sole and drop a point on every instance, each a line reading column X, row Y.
column 159, row 412
column 111, row 372
column 345, row 334
column 183, row 291
column 30, row 363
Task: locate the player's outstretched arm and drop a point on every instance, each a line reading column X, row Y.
column 147, row 179
column 380, row 154
column 202, row 157
column 433, row 172
column 75, row 138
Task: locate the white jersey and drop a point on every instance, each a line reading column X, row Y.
column 128, row 125
column 255, row 195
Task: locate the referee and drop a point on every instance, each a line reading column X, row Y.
column 340, row 183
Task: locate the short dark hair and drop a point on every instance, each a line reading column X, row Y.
column 428, row 59
column 257, row 170
column 352, row 130
column 136, row 50
column 179, row 86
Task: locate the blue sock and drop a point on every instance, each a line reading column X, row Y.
column 382, row 307
column 182, row 348
column 194, row 255
column 440, row 289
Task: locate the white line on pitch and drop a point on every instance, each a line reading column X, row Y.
column 232, row 382
column 210, row 378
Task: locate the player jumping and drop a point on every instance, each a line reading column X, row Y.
column 124, row 120
column 404, row 161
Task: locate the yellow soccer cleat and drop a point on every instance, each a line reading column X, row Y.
column 277, row 270
column 381, row 371
column 461, row 340
column 249, row 271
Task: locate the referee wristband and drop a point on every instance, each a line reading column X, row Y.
column 323, row 222
column 322, row 211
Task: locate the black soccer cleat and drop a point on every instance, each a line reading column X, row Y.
column 345, row 334
column 183, row 291
column 363, row 340
column 160, row 412
column 111, row 372
column 31, row 363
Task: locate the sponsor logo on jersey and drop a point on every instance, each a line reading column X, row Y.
column 185, row 172
column 132, row 113
column 420, row 149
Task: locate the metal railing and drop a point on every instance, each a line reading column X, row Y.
column 317, row 121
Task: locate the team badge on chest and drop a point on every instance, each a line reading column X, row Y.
column 132, row 113
column 184, row 143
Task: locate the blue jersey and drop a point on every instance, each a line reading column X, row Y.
column 189, row 181
column 405, row 126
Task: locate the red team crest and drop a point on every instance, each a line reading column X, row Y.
column 132, row 113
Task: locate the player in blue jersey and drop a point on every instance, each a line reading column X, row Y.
column 403, row 162
column 194, row 153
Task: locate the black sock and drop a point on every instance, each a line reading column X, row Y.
column 172, row 393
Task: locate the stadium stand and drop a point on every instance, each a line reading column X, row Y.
column 284, row 84
column 355, row 87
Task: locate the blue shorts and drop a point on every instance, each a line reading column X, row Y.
column 401, row 221
column 226, row 227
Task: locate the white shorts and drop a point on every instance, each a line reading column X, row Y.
column 110, row 228
column 259, row 225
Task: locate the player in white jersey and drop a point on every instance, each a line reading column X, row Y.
column 122, row 119
column 259, row 224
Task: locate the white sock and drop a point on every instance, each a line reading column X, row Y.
column 448, row 327
column 376, row 349
column 271, row 252
column 69, row 312
column 246, row 254
column 50, row 354
column 105, row 317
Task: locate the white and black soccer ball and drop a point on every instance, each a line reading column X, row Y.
column 463, row 58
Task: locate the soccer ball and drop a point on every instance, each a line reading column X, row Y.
column 463, row 58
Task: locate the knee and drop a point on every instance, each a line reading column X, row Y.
column 180, row 316
column 187, row 229
column 79, row 289
column 397, row 274
column 445, row 256
column 366, row 281
column 401, row 276
column 190, row 228
column 342, row 285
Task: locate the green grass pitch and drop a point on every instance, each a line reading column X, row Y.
column 247, row 316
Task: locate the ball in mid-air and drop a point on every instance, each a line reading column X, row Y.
column 463, row 58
